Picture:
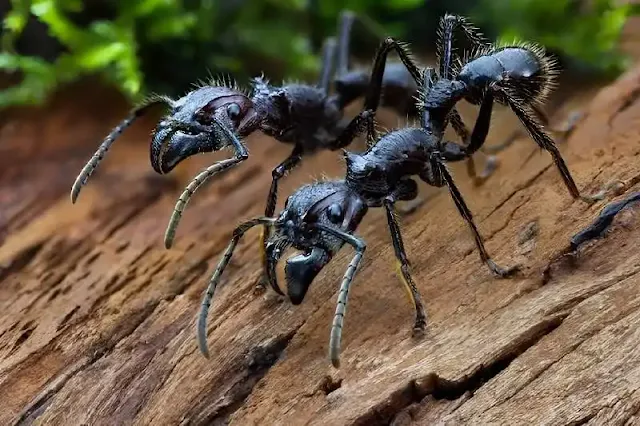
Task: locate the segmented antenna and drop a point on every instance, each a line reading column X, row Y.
column 201, row 329
column 92, row 164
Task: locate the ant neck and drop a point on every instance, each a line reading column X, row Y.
column 438, row 103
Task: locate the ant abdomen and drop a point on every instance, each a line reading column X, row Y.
column 525, row 72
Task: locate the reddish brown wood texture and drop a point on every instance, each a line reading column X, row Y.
column 97, row 318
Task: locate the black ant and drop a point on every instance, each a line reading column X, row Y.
column 220, row 114
column 319, row 218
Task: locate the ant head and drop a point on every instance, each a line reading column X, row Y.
column 326, row 203
column 200, row 121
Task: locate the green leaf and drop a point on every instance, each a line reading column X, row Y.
column 405, row 4
column 30, row 65
column 100, row 56
column 59, row 26
column 14, row 22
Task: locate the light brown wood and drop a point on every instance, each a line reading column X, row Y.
column 97, row 319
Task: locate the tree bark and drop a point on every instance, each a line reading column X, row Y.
column 97, row 319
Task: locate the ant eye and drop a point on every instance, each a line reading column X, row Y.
column 233, row 110
column 335, row 213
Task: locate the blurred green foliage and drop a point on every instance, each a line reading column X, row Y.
column 164, row 45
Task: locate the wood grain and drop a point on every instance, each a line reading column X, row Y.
column 97, row 319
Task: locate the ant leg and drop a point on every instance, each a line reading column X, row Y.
column 542, row 118
column 467, row 216
column 352, row 84
column 459, row 126
column 377, row 73
column 477, row 140
column 345, row 25
column 448, row 24
column 563, row 132
column 357, row 125
column 474, row 142
column 213, row 282
column 341, row 49
column 403, row 268
column 241, row 155
column 366, row 118
column 545, row 142
column 348, row 85
column 490, row 166
column 482, row 125
column 326, row 69
column 491, row 161
column 283, row 168
column 374, row 92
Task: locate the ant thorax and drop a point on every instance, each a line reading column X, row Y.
column 384, row 168
column 297, row 114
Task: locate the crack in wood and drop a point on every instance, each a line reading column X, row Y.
column 442, row 388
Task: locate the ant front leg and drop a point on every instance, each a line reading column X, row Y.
column 491, row 161
column 448, row 25
column 473, row 141
column 403, row 268
column 477, row 140
column 278, row 173
column 440, row 177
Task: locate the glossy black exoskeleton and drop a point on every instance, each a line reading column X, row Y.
column 319, row 218
column 220, row 115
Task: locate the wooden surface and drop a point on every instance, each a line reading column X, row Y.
column 97, row 319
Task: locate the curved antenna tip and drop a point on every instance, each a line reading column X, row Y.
column 75, row 191
column 202, row 340
column 335, row 362
column 168, row 243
